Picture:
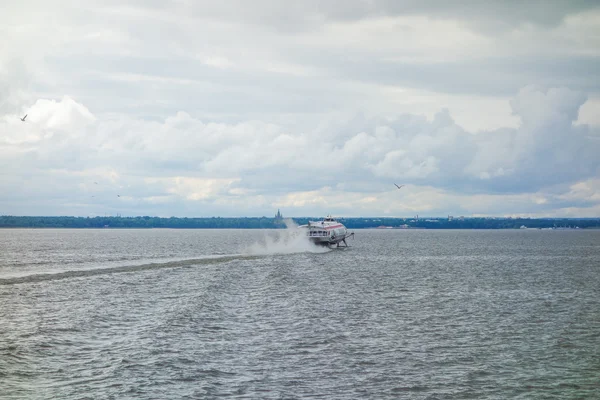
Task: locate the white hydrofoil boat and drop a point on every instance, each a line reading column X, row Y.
column 327, row 232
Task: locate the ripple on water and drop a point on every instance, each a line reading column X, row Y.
column 402, row 315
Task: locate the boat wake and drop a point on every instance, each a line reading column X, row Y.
column 50, row 276
column 285, row 241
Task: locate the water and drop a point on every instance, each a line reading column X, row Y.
column 191, row 314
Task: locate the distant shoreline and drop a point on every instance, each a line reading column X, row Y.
column 383, row 223
column 593, row 228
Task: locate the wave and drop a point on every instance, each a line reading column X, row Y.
column 121, row 269
column 63, row 261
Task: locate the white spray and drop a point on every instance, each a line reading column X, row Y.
column 285, row 241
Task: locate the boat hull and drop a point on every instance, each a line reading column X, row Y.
column 329, row 241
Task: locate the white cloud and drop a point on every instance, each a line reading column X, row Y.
column 584, row 191
column 216, row 61
column 589, row 113
column 193, row 188
column 199, row 107
column 65, row 114
column 257, row 166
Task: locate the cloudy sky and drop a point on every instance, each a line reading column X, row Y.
column 240, row 108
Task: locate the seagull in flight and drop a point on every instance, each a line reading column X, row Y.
column 399, row 186
column 23, row 119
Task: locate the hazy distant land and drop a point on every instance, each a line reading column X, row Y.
column 8, row 221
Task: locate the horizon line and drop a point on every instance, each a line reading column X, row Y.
column 304, row 216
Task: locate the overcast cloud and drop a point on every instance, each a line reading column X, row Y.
column 235, row 108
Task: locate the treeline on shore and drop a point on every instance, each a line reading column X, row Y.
column 7, row 221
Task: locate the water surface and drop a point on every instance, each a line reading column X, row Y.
column 231, row 313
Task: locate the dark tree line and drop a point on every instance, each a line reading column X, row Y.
column 138, row 222
column 7, row 221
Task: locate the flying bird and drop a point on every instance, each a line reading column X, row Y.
column 118, row 195
column 399, row 186
column 23, row 119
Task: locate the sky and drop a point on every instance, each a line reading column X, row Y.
column 235, row 108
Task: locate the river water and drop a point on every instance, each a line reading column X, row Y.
column 194, row 314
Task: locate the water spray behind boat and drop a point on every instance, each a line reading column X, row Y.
column 285, row 241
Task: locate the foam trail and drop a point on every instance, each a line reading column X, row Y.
column 289, row 241
column 50, row 276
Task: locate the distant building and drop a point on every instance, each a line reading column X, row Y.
column 278, row 216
